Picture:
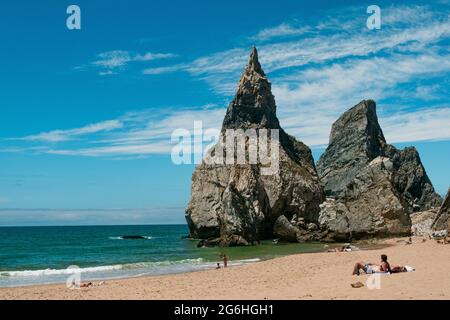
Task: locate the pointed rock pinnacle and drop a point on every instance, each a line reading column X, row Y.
column 254, row 104
column 253, row 63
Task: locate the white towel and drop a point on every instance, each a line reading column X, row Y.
column 409, row 269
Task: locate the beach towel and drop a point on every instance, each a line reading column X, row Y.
column 409, row 269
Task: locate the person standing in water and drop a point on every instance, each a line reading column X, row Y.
column 225, row 259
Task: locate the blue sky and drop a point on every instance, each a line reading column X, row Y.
column 86, row 115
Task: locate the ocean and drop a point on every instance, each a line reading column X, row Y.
column 43, row 255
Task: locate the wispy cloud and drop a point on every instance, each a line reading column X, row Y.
column 162, row 70
column 427, row 125
column 71, row 134
column 133, row 134
column 111, row 61
column 318, row 71
column 406, row 28
column 321, row 70
column 312, row 99
column 282, row 30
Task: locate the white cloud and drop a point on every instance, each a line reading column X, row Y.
column 133, row 149
column 318, row 72
column 406, row 29
column 134, row 134
column 282, row 30
column 309, row 101
column 113, row 59
column 106, row 73
column 117, row 59
column 422, row 125
column 162, row 70
column 149, row 56
column 66, row 135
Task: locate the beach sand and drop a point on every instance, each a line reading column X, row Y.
column 301, row 276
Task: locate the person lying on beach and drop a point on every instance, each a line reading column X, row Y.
column 369, row 268
column 86, row 285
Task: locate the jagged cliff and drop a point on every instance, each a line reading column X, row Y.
column 238, row 204
column 373, row 187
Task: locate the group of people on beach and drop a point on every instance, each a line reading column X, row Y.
column 368, row 268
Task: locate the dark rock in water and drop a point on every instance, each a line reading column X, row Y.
column 441, row 224
column 241, row 200
column 235, row 241
column 229, row 241
column 133, row 237
column 373, row 187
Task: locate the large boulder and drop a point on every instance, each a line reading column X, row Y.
column 441, row 224
column 372, row 185
column 285, row 230
column 246, row 199
column 371, row 207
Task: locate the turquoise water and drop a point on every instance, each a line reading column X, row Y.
column 37, row 255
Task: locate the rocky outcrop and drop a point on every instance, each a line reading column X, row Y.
column 441, row 224
column 410, row 179
column 372, row 186
column 297, row 230
column 245, row 200
column 284, row 230
column 422, row 221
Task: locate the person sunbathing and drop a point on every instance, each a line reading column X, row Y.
column 369, row 268
column 86, row 285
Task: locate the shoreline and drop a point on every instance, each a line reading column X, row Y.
column 231, row 264
column 323, row 275
column 204, row 265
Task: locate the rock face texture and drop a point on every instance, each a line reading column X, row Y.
column 239, row 201
column 422, row 221
column 371, row 185
column 441, row 224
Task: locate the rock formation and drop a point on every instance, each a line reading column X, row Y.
column 239, row 203
column 441, row 224
column 422, row 221
column 373, row 187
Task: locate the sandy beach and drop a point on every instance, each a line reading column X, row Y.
column 301, row 276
